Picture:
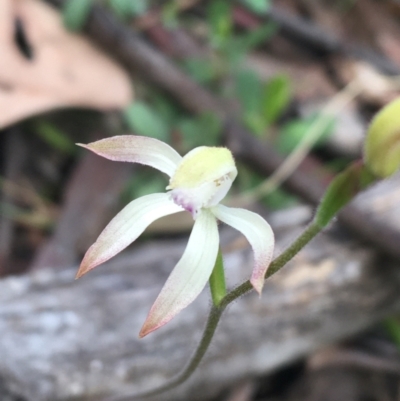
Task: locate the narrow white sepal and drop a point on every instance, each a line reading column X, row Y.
column 258, row 232
column 189, row 276
column 125, row 227
column 137, row 149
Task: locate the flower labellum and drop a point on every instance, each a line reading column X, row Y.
column 198, row 182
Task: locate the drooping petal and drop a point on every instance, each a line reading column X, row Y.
column 258, row 232
column 189, row 276
column 137, row 149
column 125, row 227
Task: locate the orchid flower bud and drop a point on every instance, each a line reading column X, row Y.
column 382, row 144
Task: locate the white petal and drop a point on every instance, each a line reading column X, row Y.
column 137, row 149
column 125, row 227
column 258, row 232
column 189, row 276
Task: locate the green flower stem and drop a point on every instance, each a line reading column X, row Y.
column 217, row 280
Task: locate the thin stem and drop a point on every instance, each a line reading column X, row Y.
column 208, row 334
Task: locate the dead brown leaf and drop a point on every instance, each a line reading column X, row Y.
column 64, row 69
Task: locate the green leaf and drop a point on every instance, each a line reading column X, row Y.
column 75, row 14
column 220, row 21
column 202, row 70
column 203, row 130
column 235, row 48
column 343, row 188
column 392, row 326
column 143, row 120
column 248, row 88
column 276, row 97
column 139, row 7
column 170, row 13
column 55, row 137
column 166, row 110
column 256, row 37
column 258, row 6
column 292, row 133
column 129, row 8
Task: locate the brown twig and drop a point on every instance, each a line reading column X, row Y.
column 307, row 33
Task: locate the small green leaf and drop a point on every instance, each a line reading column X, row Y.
column 392, row 326
column 203, row 130
column 256, row 37
column 201, row 70
column 166, row 109
column 170, row 13
column 249, row 91
column 293, row 132
column 55, row 137
column 276, row 97
column 129, row 8
column 220, row 21
column 143, row 120
column 258, row 6
column 343, row 188
column 255, row 123
column 75, row 14
column 139, row 7
column 236, row 47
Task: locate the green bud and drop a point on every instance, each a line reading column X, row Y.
column 382, row 144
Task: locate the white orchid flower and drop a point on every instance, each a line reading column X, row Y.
column 198, row 182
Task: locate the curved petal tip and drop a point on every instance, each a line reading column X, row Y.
column 149, row 326
column 260, row 235
column 258, row 284
column 88, row 263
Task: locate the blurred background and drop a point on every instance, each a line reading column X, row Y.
column 290, row 87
